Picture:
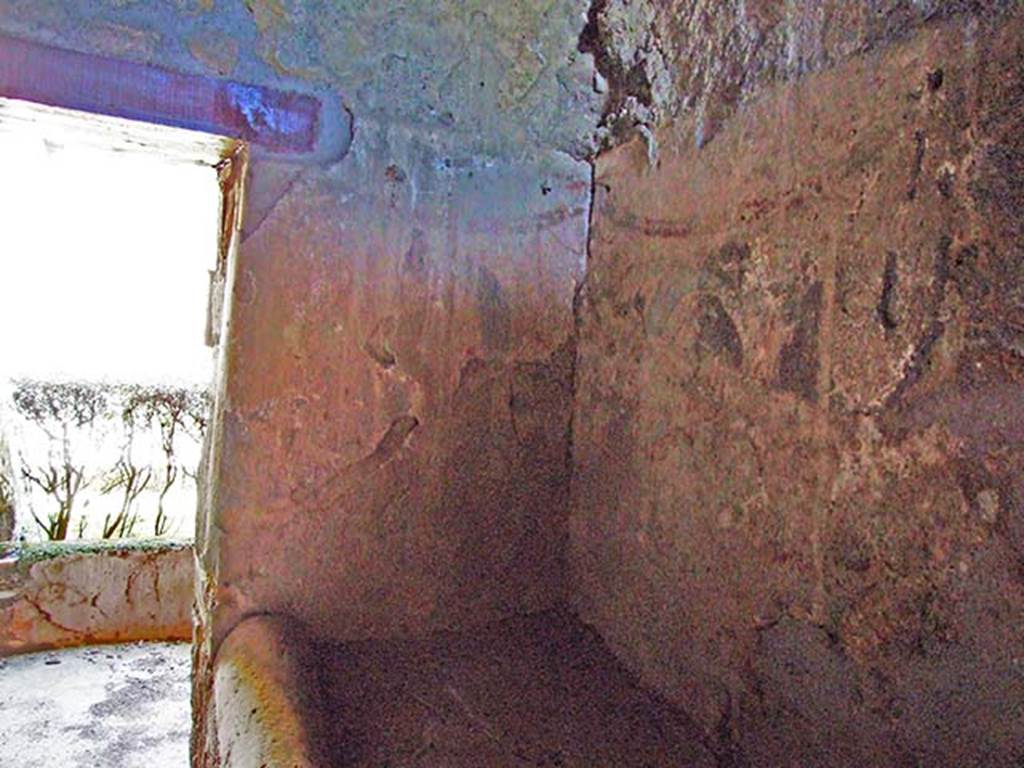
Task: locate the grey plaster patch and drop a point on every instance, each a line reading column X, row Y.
column 489, row 78
column 119, row 705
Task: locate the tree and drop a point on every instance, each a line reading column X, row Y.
column 58, row 408
column 153, row 429
column 160, row 522
column 7, row 490
column 6, row 506
column 174, row 410
column 132, row 480
column 63, row 483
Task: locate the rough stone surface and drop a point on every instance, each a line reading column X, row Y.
column 392, row 421
column 700, row 59
column 114, row 594
column 797, row 494
column 117, row 706
column 539, row 690
column 797, row 506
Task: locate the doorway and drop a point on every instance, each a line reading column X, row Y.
column 110, row 269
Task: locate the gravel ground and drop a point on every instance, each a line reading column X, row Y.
column 122, row 706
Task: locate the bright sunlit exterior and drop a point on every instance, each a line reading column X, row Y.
column 105, row 256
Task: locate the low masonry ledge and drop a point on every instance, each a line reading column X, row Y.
column 60, row 594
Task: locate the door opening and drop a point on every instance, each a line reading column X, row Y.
column 112, row 268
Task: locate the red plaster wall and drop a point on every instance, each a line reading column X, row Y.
column 399, row 361
column 797, row 493
column 391, row 446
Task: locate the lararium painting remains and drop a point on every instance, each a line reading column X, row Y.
column 580, row 383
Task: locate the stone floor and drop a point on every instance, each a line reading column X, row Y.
column 116, row 706
column 542, row 690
